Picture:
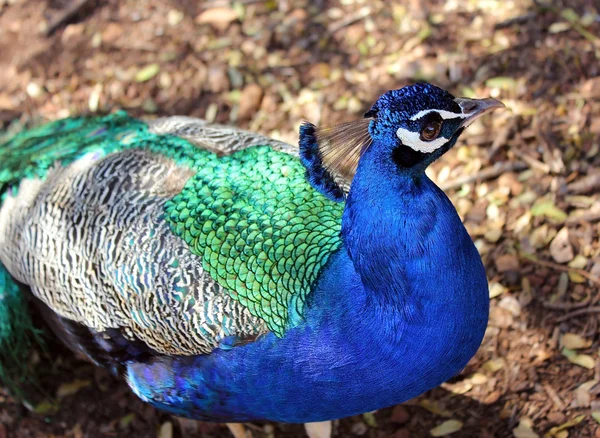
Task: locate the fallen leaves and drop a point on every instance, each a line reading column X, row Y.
column 574, row 341
column 524, row 429
column 583, row 360
column 72, row 388
column 555, row 431
column 507, row 262
column 448, row 427
column 146, row 73
column 219, row 18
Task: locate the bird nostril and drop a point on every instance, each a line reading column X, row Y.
column 468, row 106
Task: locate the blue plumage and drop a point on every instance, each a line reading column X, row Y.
column 392, row 306
column 399, row 309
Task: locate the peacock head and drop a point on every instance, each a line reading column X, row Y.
column 421, row 122
column 413, row 126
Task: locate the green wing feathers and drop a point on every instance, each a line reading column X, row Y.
column 17, row 334
column 30, row 153
column 262, row 231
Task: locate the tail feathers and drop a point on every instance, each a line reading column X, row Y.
column 18, row 336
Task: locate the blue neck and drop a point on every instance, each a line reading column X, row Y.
column 399, row 309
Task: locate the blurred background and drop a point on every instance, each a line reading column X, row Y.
column 526, row 180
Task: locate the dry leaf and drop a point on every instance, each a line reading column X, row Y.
column 72, row 387
column 583, row 398
column 46, row 408
column 494, row 365
column 147, row 73
column 583, row 360
column 524, row 430
column 434, row 407
column 573, row 341
column 559, row 26
column 548, row 209
column 478, row 379
column 555, row 430
column 579, row 262
column 496, row 289
column 220, row 18
column 446, row 428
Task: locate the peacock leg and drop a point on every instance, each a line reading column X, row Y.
column 322, row 429
column 237, row 430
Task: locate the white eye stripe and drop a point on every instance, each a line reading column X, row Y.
column 443, row 114
column 413, row 141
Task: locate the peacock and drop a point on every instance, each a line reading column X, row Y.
column 230, row 277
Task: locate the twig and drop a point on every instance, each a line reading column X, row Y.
column 226, row 3
column 65, row 15
column 584, row 185
column 567, row 306
column 558, row 267
column 515, row 20
column 591, row 216
column 536, row 163
column 501, row 139
column 558, row 403
column 579, row 312
column 486, row 174
column 351, row 19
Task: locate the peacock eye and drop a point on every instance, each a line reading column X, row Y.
column 431, row 131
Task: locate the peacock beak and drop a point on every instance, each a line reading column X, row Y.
column 475, row 108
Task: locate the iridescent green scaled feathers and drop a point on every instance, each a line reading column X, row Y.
column 262, row 231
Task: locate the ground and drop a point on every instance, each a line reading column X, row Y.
column 525, row 180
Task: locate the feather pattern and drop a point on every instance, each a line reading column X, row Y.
column 108, row 233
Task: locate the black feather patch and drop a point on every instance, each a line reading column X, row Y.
column 331, row 154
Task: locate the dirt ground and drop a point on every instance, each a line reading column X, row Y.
column 526, row 180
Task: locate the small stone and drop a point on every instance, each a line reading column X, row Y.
column 560, row 247
column 34, row 90
column 556, row 417
column 217, row 79
column 511, row 304
column 507, row 262
column 510, row 180
column 500, row 318
column 111, row 33
column 399, row 415
column 493, row 235
column 174, row 17
column 359, row 428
